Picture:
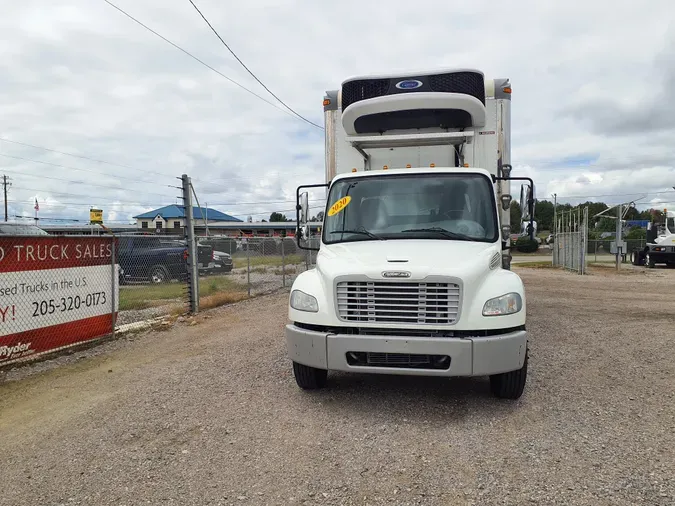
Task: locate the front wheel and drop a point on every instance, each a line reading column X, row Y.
column 159, row 275
column 510, row 385
column 309, row 378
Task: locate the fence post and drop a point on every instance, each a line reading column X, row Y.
column 193, row 268
column 248, row 265
column 113, row 294
column 283, row 264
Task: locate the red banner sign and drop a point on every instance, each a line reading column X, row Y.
column 54, row 292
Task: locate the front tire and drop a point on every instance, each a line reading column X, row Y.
column 309, row 378
column 159, row 275
column 510, row 385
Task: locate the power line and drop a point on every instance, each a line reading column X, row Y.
column 195, row 58
column 88, row 197
column 83, row 157
column 230, row 204
column 101, row 161
column 611, row 195
column 94, row 185
column 249, row 71
column 82, row 170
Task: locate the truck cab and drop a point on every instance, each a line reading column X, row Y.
column 412, row 274
column 660, row 246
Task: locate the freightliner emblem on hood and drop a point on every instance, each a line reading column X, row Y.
column 395, row 274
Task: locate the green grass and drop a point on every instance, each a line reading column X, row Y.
column 268, row 261
column 146, row 296
column 534, row 265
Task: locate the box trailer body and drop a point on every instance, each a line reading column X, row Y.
column 412, row 274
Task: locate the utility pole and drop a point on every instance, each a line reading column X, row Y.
column 554, row 256
column 619, row 229
column 5, row 185
column 193, row 268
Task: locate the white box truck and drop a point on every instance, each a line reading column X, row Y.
column 412, row 273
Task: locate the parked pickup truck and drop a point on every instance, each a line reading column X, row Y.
column 149, row 258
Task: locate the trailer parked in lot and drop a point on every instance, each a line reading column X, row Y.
column 413, row 272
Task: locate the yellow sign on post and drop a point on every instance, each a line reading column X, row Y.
column 96, row 216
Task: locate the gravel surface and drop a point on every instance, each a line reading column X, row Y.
column 209, row 413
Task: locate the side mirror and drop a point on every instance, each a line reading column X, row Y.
column 506, row 202
column 304, row 207
column 526, row 202
column 524, row 215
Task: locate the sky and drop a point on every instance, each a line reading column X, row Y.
column 592, row 118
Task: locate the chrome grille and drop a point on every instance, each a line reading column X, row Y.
column 398, row 302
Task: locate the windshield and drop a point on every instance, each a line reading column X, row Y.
column 20, row 229
column 671, row 225
column 412, row 206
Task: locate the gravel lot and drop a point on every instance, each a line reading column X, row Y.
column 209, row 413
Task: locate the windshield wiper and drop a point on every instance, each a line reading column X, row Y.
column 444, row 233
column 361, row 231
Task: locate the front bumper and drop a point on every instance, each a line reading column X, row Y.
column 223, row 266
column 470, row 356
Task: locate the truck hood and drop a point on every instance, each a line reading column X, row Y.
column 420, row 258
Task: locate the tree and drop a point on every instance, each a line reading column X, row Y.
column 543, row 214
column 515, row 217
column 277, row 217
column 636, row 233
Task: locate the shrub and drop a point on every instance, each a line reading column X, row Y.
column 526, row 245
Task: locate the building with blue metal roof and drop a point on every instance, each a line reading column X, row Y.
column 172, row 217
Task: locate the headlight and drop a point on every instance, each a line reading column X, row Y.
column 304, row 302
column 506, row 304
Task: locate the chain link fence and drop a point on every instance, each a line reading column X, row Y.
column 59, row 291
column 154, row 274
column 600, row 250
column 154, row 282
column 570, row 239
column 251, row 266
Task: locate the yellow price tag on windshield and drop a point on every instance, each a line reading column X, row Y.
column 339, row 205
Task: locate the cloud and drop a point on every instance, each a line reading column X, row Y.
column 590, row 111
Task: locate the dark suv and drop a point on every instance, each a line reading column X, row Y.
column 150, row 258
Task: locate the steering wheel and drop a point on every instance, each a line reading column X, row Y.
column 469, row 227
